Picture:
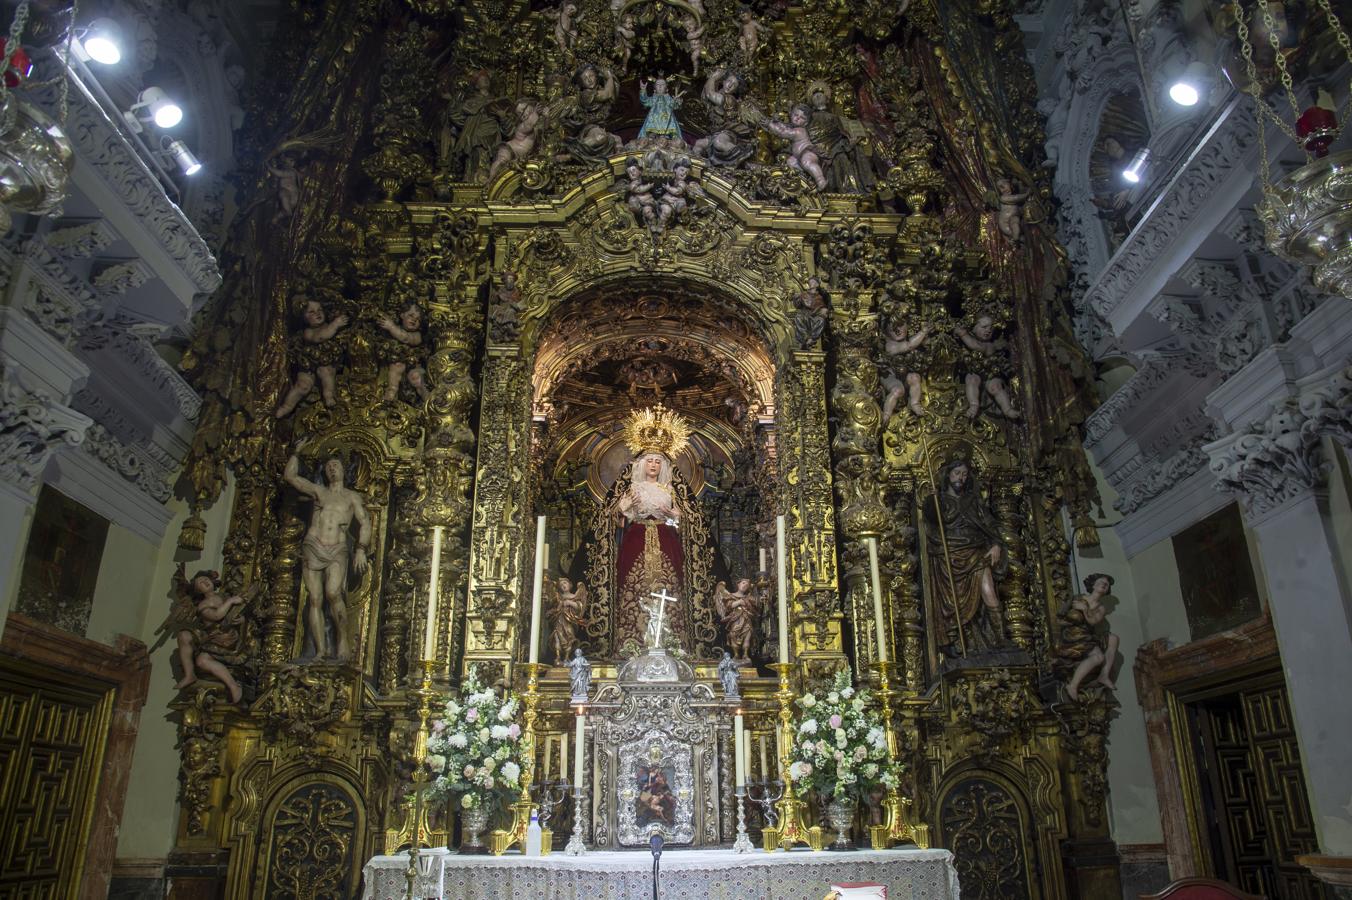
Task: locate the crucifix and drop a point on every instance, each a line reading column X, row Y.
column 655, row 621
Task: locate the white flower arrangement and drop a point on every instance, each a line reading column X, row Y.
column 467, row 758
column 849, row 753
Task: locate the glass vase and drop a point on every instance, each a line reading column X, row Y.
column 473, row 822
column 840, row 814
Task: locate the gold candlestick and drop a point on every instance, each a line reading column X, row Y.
column 900, row 827
column 424, row 694
column 500, row 841
column 791, row 829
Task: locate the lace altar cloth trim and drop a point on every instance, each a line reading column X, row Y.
column 686, row 875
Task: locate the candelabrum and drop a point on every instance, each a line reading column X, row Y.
column 899, row 827
column 424, row 693
column 575, row 845
column 790, row 828
column 743, row 843
column 500, row 841
column 770, row 792
column 550, row 794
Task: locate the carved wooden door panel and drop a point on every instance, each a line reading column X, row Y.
column 1257, row 816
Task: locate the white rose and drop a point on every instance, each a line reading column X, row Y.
column 483, row 734
column 809, row 726
column 490, row 764
column 505, row 713
column 510, row 771
column 847, row 693
column 808, row 701
column 436, row 762
column 858, row 705
column 833, row 697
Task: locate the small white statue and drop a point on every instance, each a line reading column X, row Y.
column 1009, row 219
column 749, row 34
column 579, row 676
column 728, row 673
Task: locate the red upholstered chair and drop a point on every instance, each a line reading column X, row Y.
column 1200, row 889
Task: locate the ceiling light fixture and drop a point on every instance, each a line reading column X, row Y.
column 101, row 42
column 188, row 163
column 1188, row 88
column 158, row 108
column 1133, row 172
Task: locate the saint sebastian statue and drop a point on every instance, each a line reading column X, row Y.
column 325, row 555
column 649, row 512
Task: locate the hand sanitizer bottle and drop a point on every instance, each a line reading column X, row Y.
column 534, row 837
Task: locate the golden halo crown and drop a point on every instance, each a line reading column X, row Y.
column 656, row 428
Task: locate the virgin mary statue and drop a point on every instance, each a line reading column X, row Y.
column 649, row 505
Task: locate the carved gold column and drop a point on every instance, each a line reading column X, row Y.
column 279, row 617
column 1007, row 498
column 904, row 590
column 805, row 491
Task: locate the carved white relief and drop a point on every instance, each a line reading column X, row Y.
column 125, row 337
column 76, row 240
column 132, row 462
column 32, row 428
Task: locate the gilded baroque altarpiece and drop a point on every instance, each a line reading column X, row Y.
column 478, row 236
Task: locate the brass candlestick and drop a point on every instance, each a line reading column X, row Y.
column 424, row 694
column 900, row 827
column 791, row 830
column 501, row 841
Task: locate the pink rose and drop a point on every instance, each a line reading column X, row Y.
column 514, row 730
column 839, row 756
column 471, row 715
column 835, row 721
column 807, row 769
column 469, row 771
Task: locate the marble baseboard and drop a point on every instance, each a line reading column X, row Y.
column 1145, row 869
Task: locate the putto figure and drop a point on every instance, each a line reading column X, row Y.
column 316, row 354
column 531, row 117
column 987, row 363
column 731, row 139
column 901, row 373
column 804, row 156
column 403, row 351
column 1009, row 218
column 739, row 613
column 327, row 554
column 809, row 320
column 208, row 628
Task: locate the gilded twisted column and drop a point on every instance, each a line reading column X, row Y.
column 904, row 589
column 279, row 616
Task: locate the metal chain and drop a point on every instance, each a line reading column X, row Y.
column 1343, row 41
column 1255, row 86
column 12, row 43
column 1279, row 59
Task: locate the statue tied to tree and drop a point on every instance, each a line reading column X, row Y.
column 967, row 561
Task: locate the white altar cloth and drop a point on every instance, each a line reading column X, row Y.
column 686, row 875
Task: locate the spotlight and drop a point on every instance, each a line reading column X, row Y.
column 102, row 42
column 1132, row 173
column 161, row 110
column 187, row 161
column 1188, row 88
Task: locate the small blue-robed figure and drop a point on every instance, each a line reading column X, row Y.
column 661, row 119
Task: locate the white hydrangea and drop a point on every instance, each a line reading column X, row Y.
column 511, row 771
column 498, row 732
column 809, row 726
column 452, row 709
column 847, row 692
column 458, row 740
column 505, row 714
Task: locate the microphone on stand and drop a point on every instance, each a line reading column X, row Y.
column 655, row 843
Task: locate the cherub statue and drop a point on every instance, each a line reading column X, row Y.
column 579, row 676
column 694, row 40
column 803, row 156
column 566, row 612
column 316, row 355
column 677, row 194
column 287, row 175
column 626, row 30
column 1085, row 638
column 731, row 139
column 639, row 194
column 660, row 122
column 729, row 673
column 402, row 351
column 531, row 116
column 207, row 626
column 504, row 310
column 1009, row 219
column 988, row 363
column 809, row 321
column 566, row 19
column 749, row 34
column 739, row 613
column 584, row 114
column 900, row 374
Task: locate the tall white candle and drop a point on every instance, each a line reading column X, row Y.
column 738, row 738
column 781, row 571
column 433, row 584
column 879, row 622
column 765, row 770
column 549, row 756
column 762, row 560
column 746, row 745
column 539, row 589
column 579, row 749
column 563, row 755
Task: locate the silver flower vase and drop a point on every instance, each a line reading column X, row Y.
column 473, row 822
column 840, row 814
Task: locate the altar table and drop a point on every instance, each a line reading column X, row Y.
column 686, row 875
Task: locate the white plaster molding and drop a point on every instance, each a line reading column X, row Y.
column 48, row 366
column 80, row 239
column 1191, row 499
column 1201, row 193
column 148, row 474
column 33, row 427
column 121, row 339
column 83, row 477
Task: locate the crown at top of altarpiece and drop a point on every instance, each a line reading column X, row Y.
column 656, row 428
